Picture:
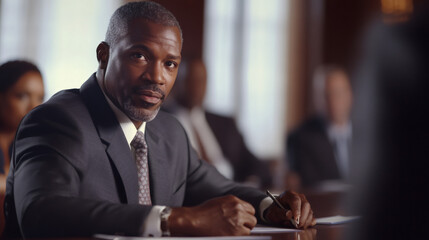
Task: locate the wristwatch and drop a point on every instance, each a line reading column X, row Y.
column 165, row 213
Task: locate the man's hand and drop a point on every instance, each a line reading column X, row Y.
column 219, row 216
column 300, row 211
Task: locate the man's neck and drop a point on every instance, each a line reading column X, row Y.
column 128, row 125
column 341, row 124
column 137, row 123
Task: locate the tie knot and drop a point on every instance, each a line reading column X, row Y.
column 138, row 141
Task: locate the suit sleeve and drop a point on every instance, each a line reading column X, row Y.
column 50, row 159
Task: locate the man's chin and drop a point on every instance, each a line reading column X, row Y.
column 141, row 114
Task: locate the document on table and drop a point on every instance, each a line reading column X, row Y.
column 335, row 219
column 114, row 237
column 259, row 229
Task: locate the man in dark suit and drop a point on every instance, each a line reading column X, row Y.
column 215, row 137
column 102, row 159
column 318, row 150
column 247, row 167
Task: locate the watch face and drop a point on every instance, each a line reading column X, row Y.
column 166, row 212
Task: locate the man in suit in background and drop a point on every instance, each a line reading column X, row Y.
column 216, row 138
column 318, row 149
column 104, row 159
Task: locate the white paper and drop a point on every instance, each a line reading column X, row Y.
column 335, row 219
column 272, row 230
column 114, row 237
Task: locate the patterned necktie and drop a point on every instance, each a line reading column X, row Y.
column 140, row 147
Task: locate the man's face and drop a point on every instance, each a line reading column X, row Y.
column 142, row 67
column 338, row 97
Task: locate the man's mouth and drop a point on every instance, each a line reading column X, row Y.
column 151, row 96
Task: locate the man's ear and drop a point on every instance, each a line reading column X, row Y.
column 103, row 55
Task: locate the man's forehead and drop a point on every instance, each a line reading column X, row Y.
column 141, row 29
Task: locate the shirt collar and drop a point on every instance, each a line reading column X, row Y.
column 344, row 131
column 125, row 122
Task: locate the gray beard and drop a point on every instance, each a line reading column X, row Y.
column 137, row 114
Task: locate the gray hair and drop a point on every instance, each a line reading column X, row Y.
column 151, row 11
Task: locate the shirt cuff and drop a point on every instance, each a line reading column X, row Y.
column 152, row 224
column 265, row 203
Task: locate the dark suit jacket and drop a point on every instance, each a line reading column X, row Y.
column 73, row 174
column 310, row 152
column 235, row 150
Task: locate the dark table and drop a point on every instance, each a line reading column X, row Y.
column 323, row 204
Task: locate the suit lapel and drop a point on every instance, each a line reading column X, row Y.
column 160, row 176
column 111, row 134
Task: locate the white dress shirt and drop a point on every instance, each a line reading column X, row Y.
column 341, row 136
column 152, row 224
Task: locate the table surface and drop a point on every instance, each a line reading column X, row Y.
column 323, row 204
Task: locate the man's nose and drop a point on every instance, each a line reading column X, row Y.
column 154, row 73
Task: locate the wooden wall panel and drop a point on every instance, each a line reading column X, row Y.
column 190, row 14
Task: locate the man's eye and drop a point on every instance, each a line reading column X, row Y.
column 21, row 96
column 139, row 56
column 171, row 64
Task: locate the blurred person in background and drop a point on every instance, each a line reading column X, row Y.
column 21, row 89
column 216, row 138
column 392, row 132
column 318, row 149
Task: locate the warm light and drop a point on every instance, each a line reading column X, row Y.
column 396, row 10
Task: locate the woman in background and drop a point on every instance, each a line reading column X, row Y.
column 21, row 89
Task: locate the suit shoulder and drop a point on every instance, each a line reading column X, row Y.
column 69, row 96
column 312, row 124
column 66, row 102
column 220, row 120
column 64, row 99
column 218, row 116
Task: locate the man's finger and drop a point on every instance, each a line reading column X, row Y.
column 309, row 221
column 250, row 222
column 294, row 201
column 313, row 223
column 305, row 213
column 289, row 214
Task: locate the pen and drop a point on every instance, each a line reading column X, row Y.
column 282, row 207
